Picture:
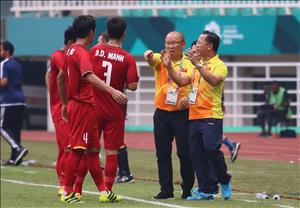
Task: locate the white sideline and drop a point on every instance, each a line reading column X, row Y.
column 131, row 198
column 95, row 193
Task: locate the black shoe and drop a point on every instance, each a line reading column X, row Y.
column 185, row 194
column 163, row 195
column 19, row 156
column 124, row 179
column 235, row 151
column 9, row 163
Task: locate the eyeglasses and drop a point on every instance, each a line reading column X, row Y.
column 202, row 43
column 173, row 43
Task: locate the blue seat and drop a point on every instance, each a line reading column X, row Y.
column 232, row 12
column 164, row 12
column 206, row 12
column 295, row 11
column 179, row 12
column 126, row 13
column 246, row 11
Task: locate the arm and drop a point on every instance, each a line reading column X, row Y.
column 286, row 100
column 47, row 79
column 213, row 80
column 118, row 96
column 182, row 80
column 132, row 87
column 61, row 83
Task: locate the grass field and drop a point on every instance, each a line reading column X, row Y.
column 28, row 186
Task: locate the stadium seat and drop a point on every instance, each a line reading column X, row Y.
column 281, row 11
column 295, row 11
column 126, row 12
column 179, row 12
column 246, row 11
column 137, row 13
column 232, row 12
column 270, row 11
column 201, row 12
column 206, row 12
column 164, row 12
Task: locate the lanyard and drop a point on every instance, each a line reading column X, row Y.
column 180, row 71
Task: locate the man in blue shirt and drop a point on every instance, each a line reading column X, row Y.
column 12, row 103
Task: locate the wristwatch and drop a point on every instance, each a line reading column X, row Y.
column 198, row 66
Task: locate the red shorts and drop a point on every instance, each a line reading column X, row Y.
column 83, row 126
column 62, row 134
column 113, row 132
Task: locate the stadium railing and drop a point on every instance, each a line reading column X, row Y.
column 242, row 88
column 178, row 8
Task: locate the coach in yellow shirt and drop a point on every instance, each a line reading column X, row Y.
column 171, row 116
column 205, row 114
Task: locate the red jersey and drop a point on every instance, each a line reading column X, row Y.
column 117, row 68
column 78, row 64
column 57, row 62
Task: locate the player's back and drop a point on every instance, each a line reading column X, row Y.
column 57, row 62
column 116, row 68
column 78, row 64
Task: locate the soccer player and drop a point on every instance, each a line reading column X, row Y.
column 117, row 68
column 57, row 63
column 78, row 108
column 205, row 115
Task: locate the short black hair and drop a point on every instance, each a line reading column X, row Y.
column 69, row 35
column 275, row 82
column 194, row 43
column 212, row 38
column 8, row 46
column 115, row 26
column 83, row 24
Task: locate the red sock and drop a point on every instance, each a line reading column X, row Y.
column 111, row 166
column 58, row 167
column 71, row 169
column 62, row 165
column 82, row 170
column 94, row 167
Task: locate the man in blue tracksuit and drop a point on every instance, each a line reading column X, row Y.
column 12, row 102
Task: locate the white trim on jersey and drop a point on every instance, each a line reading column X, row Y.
column 12, row 104
column 1, row 67
column 2, row 117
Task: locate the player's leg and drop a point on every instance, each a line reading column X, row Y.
column 124, row 174
column 9, row 115
column 113, row 140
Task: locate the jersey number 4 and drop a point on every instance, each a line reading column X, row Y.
column 107, row 74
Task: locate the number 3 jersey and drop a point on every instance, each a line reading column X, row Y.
column 117, row 68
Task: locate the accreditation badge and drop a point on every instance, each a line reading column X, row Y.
column 193, row 95
column 172, row 96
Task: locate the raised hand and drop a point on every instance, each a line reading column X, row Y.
column 193, row 56
column 148, row 54
column 165, row 58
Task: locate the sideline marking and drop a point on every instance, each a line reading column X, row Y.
column 96, row 193
column 134, row 199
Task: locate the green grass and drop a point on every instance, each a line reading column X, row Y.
column 249, row 177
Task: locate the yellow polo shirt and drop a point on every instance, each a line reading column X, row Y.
column 208, row 102
column 162, row 82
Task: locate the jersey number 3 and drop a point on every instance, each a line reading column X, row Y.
column 107, row 74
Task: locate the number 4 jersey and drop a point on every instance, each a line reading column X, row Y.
column 117, row 68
